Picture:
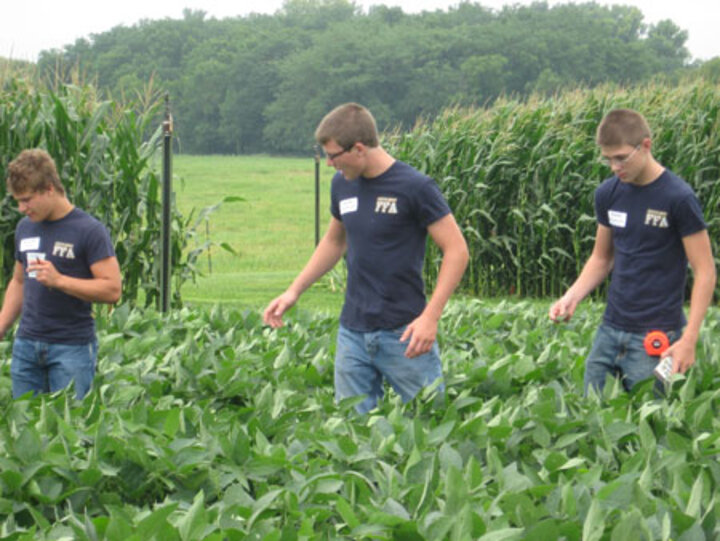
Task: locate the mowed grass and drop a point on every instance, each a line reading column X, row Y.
column 272, row 231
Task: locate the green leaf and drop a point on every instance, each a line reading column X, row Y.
column 395, row 508
column 631, row 527
column 440, row 433
column 456, row 492
column 568, row 439
column 503, row 534
column 193, row 523
column 262, row 504
column 407, row 531
column 545, row 529
column 449, row 458
column 346, row 512
column 618, row 494
column 28, row 446
column 156, row 522
column 694, row 505
column 594, row 525
column 172, row 422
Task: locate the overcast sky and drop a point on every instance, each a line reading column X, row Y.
column 29, row 26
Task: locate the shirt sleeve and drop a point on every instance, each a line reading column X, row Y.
column 431, row 203
column 689, row 216
column 601, row 206
column 334, row 203
column 98, row 244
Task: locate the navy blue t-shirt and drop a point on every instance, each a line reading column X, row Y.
column 72, row 243
column 385, row 220
column 648, row 223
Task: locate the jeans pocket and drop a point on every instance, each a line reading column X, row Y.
column 398, row 331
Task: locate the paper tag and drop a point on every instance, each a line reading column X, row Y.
column 617, row 219
column 663, row 370
column 349, row 205
column 31, row 258
column 30, row 243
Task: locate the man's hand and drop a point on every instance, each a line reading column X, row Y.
column 421, row 332
column 273, row 313
column 563, row 308
column 683, row 355
column 45, row 273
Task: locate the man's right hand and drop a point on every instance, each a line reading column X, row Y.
column 273, row 313
column 562, row 309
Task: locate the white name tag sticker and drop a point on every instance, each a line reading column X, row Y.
column 30, row 243
column 617, row 219
column 349, row 205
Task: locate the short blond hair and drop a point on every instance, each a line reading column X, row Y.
column 348, row 124
column 33, row 170
column 622, row 127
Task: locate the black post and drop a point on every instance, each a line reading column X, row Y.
column 166, row 206
column 317, row 195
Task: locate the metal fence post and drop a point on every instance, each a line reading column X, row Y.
column 165, row 274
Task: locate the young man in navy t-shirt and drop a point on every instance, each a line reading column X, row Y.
column 650, row 225
column 382, row 211
column 64, row 262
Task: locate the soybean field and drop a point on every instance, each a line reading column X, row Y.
column 203, row 424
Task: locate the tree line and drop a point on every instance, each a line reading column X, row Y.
column 260, row 83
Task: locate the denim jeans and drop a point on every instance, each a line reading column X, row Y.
column 45, row 367
column 620, row 354
column 364, row 359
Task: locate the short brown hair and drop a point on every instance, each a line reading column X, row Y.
column 33, row 170
column 348, row 124
column 622, row 127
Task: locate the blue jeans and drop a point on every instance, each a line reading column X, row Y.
column 364, row 359
column 620, row 354
column 45, row 367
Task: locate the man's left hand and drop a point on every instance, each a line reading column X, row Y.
column 421, row 332
column 683, row 355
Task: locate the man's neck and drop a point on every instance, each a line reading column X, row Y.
column 378, row 162
column 651, row 173
column 62, row 208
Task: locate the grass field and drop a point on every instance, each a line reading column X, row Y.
column 272, row 231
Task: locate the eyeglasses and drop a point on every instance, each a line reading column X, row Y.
column 332, row 155
column 620, row 161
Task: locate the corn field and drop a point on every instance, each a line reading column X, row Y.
column 520, row 176
column 109, row 166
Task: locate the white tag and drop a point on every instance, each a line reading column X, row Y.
column 30, row 243
column 618, row 219
column 663, row 370
column 348, row 205
column 32, row 257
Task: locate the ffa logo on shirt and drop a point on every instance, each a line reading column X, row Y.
column 63, row 249
column 386, row 205
column 656, row 218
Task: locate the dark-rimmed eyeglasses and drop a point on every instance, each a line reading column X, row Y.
column 620, row 161
column 332, row 155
